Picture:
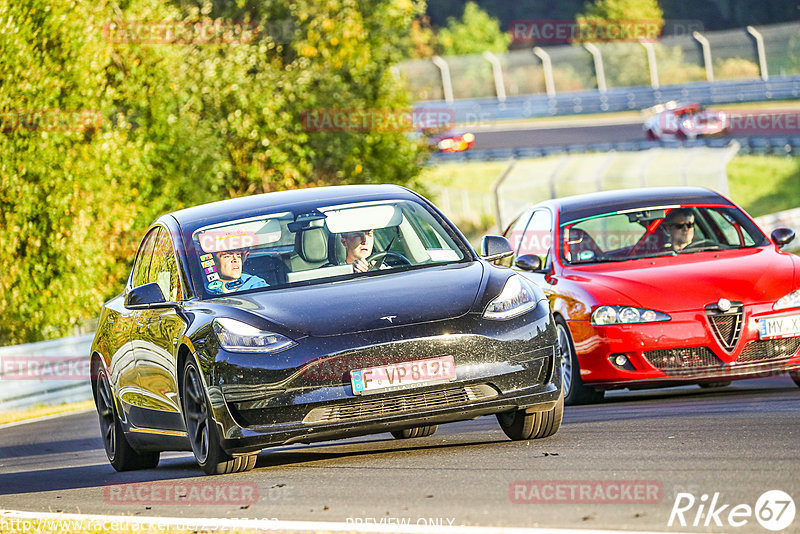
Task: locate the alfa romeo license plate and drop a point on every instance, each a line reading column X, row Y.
column 401, row 375
column 777, row 327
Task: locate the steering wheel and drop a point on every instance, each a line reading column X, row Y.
column 701, row 243
column 380, row 257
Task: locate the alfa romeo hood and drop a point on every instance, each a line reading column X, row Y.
column 692, row 281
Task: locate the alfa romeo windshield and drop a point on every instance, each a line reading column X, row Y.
column 660, row 231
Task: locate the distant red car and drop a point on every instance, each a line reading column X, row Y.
column 661, row 286
column 446, row 140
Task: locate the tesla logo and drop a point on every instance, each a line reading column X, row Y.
column 390, row 318
column 723, row 305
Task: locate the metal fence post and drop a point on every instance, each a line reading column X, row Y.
column 497, row 71
column 652, row 63
column 599, row 71
column 447, row 84
column 496, row 193
column 706, row 54
column 762, row 57
column 547, row 65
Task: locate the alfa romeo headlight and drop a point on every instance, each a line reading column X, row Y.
column 516, row 298
column 792, row 300
column 237, row 336
column 626, row 315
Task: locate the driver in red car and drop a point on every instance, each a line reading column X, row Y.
column 358, row 246
column 679, row 224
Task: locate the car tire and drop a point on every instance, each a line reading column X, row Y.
column 575, row 392
column 519, row 425
column 416, row 432
column 795, row 376
column 120, row 454
column 201, row 429
column 712, row 385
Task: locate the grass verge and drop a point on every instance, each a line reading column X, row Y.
column 760, row 184
column 42, row 411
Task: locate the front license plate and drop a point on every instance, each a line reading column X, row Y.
column 400, row 375
column 778, row 327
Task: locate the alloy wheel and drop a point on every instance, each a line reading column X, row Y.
column 197, row 419
column 105, row 409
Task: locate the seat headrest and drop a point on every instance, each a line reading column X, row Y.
column 312, row 245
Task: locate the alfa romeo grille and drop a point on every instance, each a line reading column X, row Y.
column 400, row 403
column 772, row 349
column 727, row 326
column 684, row 361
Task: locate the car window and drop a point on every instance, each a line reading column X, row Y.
column 142, row 263
column 164, row 269
column 516, row 229
column 634, row 234
column 317, row 245
column 537, row 237
column 730, row 228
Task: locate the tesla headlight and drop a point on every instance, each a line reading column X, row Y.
column 792, row 300
column 626, row 315
column 516, row 298
column 237, row 336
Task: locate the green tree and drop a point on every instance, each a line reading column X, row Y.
column 475, row 33
column 103, row 131
column 623, row 10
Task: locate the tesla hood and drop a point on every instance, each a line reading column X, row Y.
column 370, row 302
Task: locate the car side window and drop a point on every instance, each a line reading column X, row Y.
column 537, row 237
column 143, row 257
column 164, row 269
column 515, row 231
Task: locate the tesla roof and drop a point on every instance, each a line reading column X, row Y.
column 580, row 206
column 294, row 200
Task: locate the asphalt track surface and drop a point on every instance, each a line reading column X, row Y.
column 738, row 441
column 551, row 134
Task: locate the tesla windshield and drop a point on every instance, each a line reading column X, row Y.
column 345, row 240
column 648, row 232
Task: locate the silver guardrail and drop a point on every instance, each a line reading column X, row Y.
column 45, row 373
column 57, row 371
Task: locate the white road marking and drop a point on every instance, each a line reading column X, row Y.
column 109, row 523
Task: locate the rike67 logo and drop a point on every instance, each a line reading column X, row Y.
column 774, row 510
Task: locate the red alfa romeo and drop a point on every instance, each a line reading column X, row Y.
column 660, row 287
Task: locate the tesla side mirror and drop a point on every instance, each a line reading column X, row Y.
column 495, row 247
column 144, row 296
column 529, row 262
column 782, row 236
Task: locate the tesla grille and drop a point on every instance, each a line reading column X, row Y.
column 686, row 361
column 726, row 326
column 406, row 402
column 772, row 349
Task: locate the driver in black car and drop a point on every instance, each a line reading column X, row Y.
column 679, row 224
column 358, row 246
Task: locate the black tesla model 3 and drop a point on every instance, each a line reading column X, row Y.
column 247, row 324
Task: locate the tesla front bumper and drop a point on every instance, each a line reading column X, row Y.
column 304, row 394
